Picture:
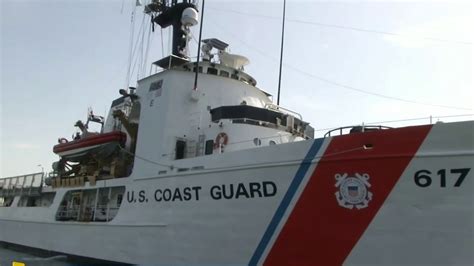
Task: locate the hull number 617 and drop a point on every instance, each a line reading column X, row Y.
column 424, row 178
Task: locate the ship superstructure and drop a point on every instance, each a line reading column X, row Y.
column 218, row 174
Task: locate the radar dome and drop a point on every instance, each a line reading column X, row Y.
column 233, row 60
column 189, row 17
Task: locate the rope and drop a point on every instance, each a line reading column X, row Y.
column 138, row 43
column 279, row 135
column 132, row 35
column 342, row 27
column 147, row 49
column 400, row 120
column 337, row 84
column 145, row 159
column 257, row 164
column 251, row 140
column 340, row 85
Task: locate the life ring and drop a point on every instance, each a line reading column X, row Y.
column 62, row 140
column 221, row 139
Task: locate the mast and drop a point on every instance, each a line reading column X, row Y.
column 181, row 15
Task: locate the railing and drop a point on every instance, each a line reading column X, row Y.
column 273, row 106
column 355, row 129
column 30, row 184
column 410, row 121
column 266, row 124
column 68, row 213
column 88, row 213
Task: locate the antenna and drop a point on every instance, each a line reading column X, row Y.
column 199, row 46
column 281, row 50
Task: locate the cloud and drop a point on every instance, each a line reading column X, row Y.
column 25, row 146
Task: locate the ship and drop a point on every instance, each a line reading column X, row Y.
column 197, row 166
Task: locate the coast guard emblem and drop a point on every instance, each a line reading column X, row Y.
column 353, row 191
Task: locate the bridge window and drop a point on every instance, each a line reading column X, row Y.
column 247, row 112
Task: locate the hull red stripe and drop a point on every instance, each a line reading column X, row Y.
column 290, row 193
column 321, row 232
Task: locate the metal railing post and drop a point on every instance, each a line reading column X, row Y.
column 96, row 202
column 108, row 204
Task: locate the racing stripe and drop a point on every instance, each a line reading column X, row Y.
column 295, row 183
column 321, row 232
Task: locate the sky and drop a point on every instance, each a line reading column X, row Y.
column 344, row 62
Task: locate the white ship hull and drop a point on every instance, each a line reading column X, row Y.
column 286, row 209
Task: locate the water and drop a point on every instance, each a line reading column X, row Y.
column 33, row 257
column 8, row 255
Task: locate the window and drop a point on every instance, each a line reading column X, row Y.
column 180, row 149
column 6, row 201
column 200, row 69
column 246, row 111
column 224, row 74
column 119, row 199
column 209, row 147
column 156, row 85
column 212, row 71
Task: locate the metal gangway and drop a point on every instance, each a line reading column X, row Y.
column 30, row 185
